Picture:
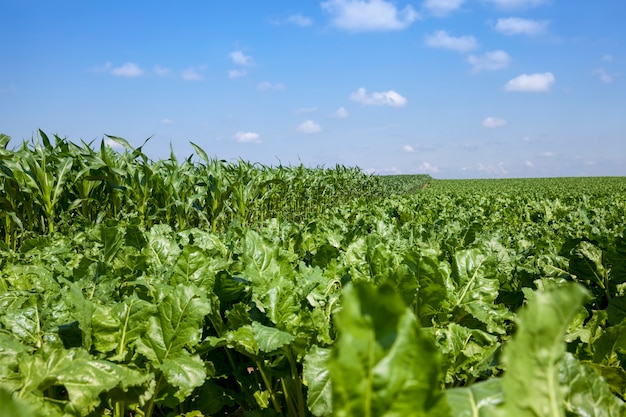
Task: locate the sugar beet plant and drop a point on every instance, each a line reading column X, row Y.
column 182, row 288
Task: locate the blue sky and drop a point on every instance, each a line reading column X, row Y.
column 452, row 88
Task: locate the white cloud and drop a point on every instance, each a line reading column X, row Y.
column 529, row 164
column 427, row 168
column 309, row 126
column 604, row 76
column 239, row 58
column 607, row 58
column 368, row 15
column 386, row 98
column 526, row 139
column 266, row 85
column 518, row 26
column 299, row 20
column 408, row 149
column 232, row 74
column 517, row 4
column 489, row 61
column 160, row 71
column 340, row 113
column 531, row 83
column 441, row 39
column 442, row 7
column 167, row 121
column 493, row 122
column 192, row 74
column 492, row 169
column 247, row 137
column 129, row 70
column 547, row 154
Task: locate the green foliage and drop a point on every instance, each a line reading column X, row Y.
column 162, row 288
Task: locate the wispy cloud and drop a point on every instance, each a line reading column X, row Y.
column 128, row 70
column 309, row 126
column 517, row 4
column 533, row 83
column 493, row 122
column 529, row 164
column 243, row 61
column 192, row 73
column 368, row 15
column 266, row 85
column 340, row 113
column 441, row 8
column 247, row 137
column 604, row 76
column 518, row 26
column 547, row 154
column 427, row 168
column 607, row 58
column 167, row 121
column 160, row 71
column 442, row 39
column 299, row 20
column 489, row 61
column 239, row 58
column 385, row 98
column 408, row 149
column 497, row 169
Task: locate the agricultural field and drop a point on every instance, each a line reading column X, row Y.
column 202, row 287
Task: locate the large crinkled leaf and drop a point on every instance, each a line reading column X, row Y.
column 316, row 376
column 251, row 339
column 431, row 274
column 185, row 372
column 176, row 325
column 614, row 376
column 473, row 286
column 175, row 328
column 116, row 327
column 586, row 263
column 468, row 354
column 270, row 339
column 195, row 266
column 381, row 364
column 477, row 400
column 81, row 376
column 23, row 317
column 611, row 344
column 161, row 248
column 534, row 356
column 588, row 394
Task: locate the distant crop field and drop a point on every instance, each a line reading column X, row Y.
column 204, row 287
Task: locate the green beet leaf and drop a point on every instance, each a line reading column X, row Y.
column 381, row 364
column 74, row 378
column 177, row 327
column 588, row 394
column 477, row 400
column 317, row 377
column 533, row 358
column 473, row 287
